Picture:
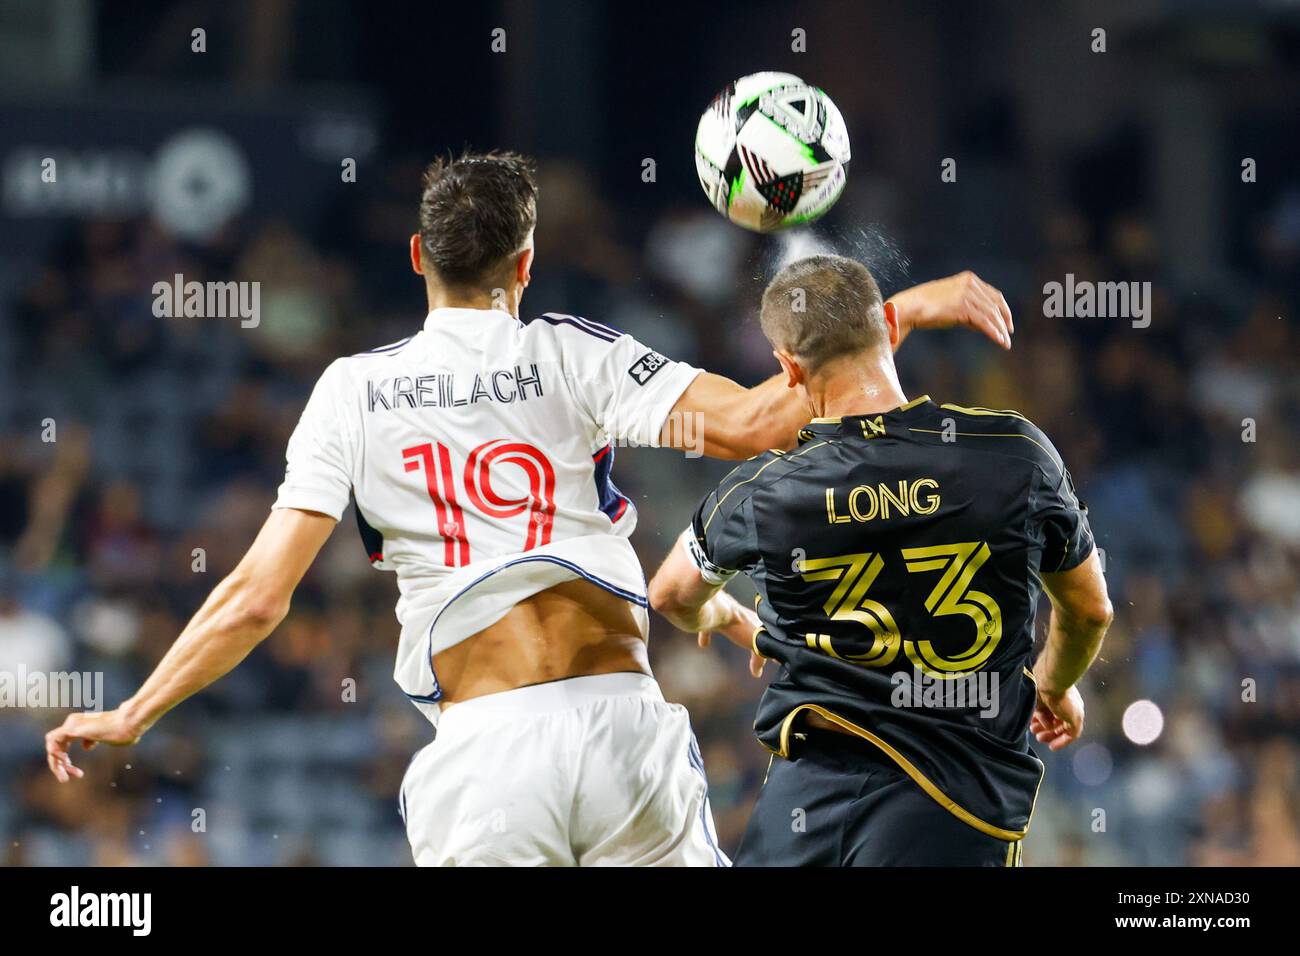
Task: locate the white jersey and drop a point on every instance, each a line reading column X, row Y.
column 479, row 453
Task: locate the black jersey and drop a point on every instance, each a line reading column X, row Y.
column 897, row 560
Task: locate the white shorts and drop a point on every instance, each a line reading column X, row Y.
column 590, row 771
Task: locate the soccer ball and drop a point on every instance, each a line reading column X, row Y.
column 772, row 152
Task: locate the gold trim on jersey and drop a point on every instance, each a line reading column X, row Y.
column 838, row 419
column 981, row 410
column 743, row 481
column 806, row 448
column 924, row 782
column 1014, row 851
column 1060, row 466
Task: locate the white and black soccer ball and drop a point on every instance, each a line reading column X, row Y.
column 772, row 151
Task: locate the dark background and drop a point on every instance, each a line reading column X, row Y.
column 1117, row 166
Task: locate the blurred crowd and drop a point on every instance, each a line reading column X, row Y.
column 168, row 443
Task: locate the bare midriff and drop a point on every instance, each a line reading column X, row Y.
column 574, row 629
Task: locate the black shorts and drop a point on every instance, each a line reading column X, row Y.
column 841, row 802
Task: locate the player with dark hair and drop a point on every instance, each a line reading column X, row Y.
column 899, row 555
column 478, row 451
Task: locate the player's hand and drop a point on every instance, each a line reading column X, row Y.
column 1058, row 718
column 962, row 299
column 109, row 727
column 740, row 631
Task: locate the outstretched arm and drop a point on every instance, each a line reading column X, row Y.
column 962, row 299
column 241, row 611
column 680, row 593
column 740, row 422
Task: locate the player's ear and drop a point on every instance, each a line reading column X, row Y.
column 524, row 267
column 415, row 255
column 891, row 323
column 793, row 370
